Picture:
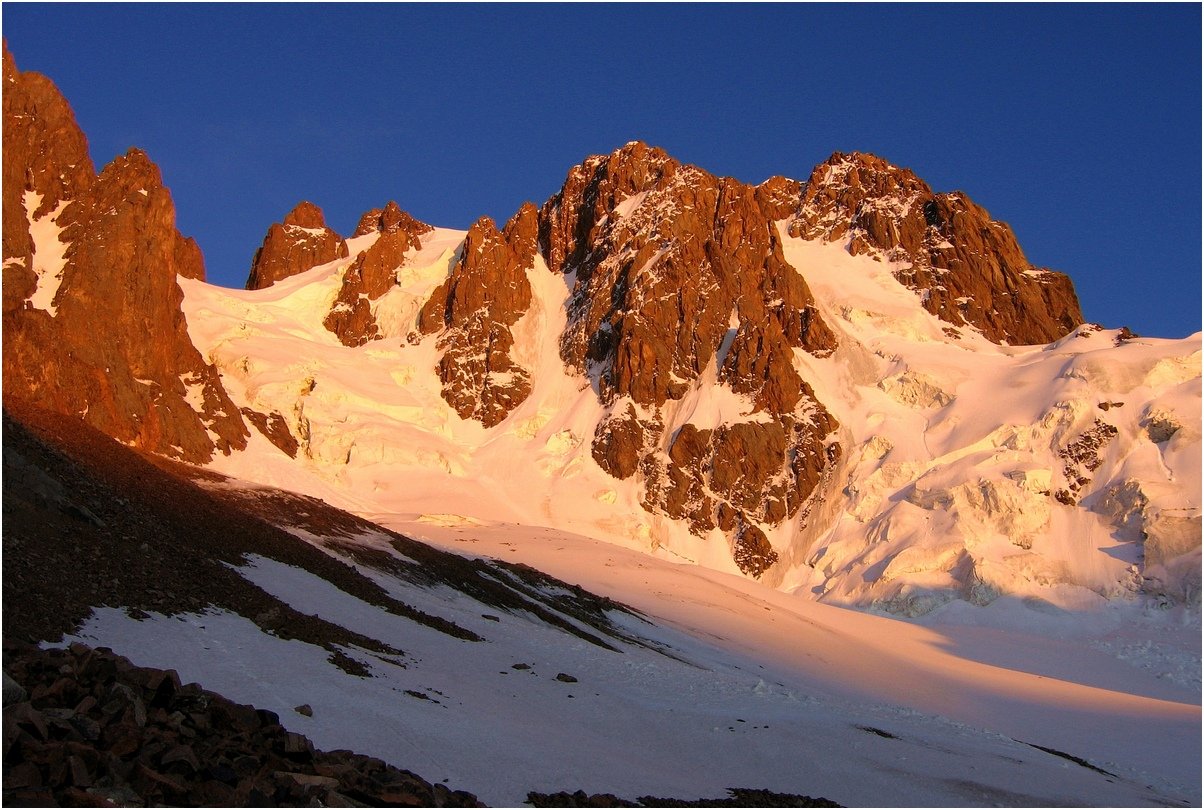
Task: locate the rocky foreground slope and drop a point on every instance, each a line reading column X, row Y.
column 851, row 387
column 86, row 728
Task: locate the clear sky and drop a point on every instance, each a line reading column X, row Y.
column 1079, row 125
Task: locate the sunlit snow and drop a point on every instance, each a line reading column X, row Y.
column 49, row 257
column 951, row 444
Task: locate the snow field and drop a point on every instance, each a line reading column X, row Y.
column 950, row 494
column 945, row 491
column 756, row 689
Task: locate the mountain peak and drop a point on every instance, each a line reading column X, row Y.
column 474, row 310
column 305, row 215
column 968, row 269
column 630, row 169
column 300, row 242
column 677, row 274
column 92, row 318
column 841, row 183
column 389, row 219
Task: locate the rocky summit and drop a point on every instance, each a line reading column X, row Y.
column 373, row 273
column 485, row 294
column 968, row 268
column 302, row 241
column 92, row 318
column 678, row 278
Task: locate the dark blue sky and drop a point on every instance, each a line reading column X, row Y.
column 1079, row 125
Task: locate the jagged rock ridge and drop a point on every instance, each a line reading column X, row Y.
column 676, row 275
column 968, row 268
column 373, row 273
column 92, row 318
column 486, row 293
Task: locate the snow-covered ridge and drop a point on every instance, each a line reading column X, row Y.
column 958, row 480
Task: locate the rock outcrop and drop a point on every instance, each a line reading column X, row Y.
column 967, row 268
column 391, row 218
column 46, row 163
column 474, row 310
column 92, row 318
column 300, row 242
column 664, row 256
column 373, row 273
column 676, row 276
column 98, row 731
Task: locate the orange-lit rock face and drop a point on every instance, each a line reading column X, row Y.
column 673, row 271
column 485, row 295
column 373, row 273
column 968, row 268
column 111, row 343
column 301, row 242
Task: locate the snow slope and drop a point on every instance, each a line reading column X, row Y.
column 733, row 685
column 957, row 446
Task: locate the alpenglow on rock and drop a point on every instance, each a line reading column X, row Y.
column 678, row 280
column 967, row 267
column 302, row 241
column 486, row 293
column 92, row 319
column 373, row 273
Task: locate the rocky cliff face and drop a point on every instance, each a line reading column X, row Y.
column 967, row 267
column 373, row 273
column 92, row 319
column 300, row 242
column 46, row 161
column 664, row 258
column 389, row 219
column 485, row 295
column 677, row 278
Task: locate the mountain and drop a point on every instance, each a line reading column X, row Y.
column 297, row 244
column 653, row 358
column 851, row 386
column 656, row 429
column 92, row 318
